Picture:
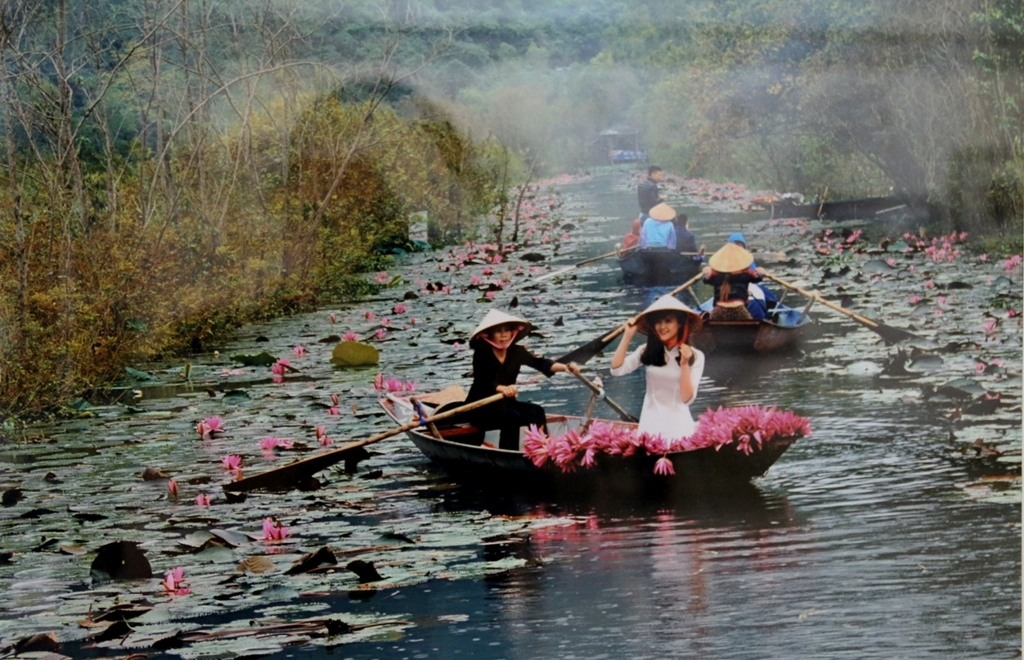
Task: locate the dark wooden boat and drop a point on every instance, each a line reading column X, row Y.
column 657, row 267
column 780, row 332
column 456, row 449
column 843, row 209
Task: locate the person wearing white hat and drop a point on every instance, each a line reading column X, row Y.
column 674, row 368
column 730, row 271
column 497, row 359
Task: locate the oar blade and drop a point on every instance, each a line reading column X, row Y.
column 892, row 335
column 288, row 476
column 587, row 351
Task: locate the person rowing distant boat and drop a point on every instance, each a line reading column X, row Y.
column 730, row 272
column 758, row 293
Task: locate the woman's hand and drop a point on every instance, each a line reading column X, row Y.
column 509, row 391
column 573, row 368
column 685, row 354
column 630, row 330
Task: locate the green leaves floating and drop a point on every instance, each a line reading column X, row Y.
column 354, row 354
column 263, row 359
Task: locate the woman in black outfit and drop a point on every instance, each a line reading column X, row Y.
column 497, row 359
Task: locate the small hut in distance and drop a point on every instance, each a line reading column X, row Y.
column 619, row 144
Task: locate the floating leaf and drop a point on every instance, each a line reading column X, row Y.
column 263, row 359
column 354, row 354
column 256, row 564
column 121, row 560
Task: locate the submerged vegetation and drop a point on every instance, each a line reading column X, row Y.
column 173, row 170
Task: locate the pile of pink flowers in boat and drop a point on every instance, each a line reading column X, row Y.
column 746, row 428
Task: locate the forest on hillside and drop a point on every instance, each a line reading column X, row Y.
column 174, row 167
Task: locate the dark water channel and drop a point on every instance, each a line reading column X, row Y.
column 887, row 534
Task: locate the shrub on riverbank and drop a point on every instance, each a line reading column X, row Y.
column 168, row 257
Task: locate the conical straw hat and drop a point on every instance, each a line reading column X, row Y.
column 731, row 258
column 662, row 212
column 496, row 317
column 664, row 303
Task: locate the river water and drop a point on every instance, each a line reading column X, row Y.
column 886, row 534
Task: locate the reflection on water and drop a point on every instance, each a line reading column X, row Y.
column 858, row 543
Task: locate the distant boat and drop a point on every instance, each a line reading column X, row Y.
column 840, row 209
column 657, row 267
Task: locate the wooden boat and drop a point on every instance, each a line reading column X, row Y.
column 780, row 332
column 457, row 450
column 657, row 267
column 841, row 209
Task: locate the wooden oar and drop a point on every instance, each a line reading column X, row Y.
column 581, row 263
column 286, row 476
column 888, row 333
column 614, row 406
column 595, row 346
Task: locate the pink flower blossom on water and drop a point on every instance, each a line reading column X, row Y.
column 378, row 382
column 930, row 284
column 382, row 277
column 172, row 488
column 173, row 582
column 664, row 467
column 350, row 336
column 490, row 295
column 393, row 385
column 941, row 300
column 299, row 350
column 334, row 399
column 324, row 440
column 983, row 258
column 914, row 299
column 274, row 531
column 333, row 317
column 381, row 333
column 1011, row 313
column 232, row 462
column 891, row 262
column 202, row 500
column 231, row 372
column 270, row 443
column 280, row 366
column 1010, row 264
column 369, row 315
column 990, row 325
column 398, row 309
column 475, row 281
column 333, row 410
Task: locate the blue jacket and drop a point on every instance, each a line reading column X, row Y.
column 657, row 234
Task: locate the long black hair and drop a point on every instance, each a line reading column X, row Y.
column 653, row 354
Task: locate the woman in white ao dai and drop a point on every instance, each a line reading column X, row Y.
column 672, row 381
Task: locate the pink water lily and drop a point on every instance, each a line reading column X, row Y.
column 320, row 431
column 378, row 382
column 232, row 462
column 333, row 410
column 209, row 426
column 369, row 315
column 333, row 317
column 914, row 299
column 274, row 531
column 664, row 467
column 270, row 443
column 398, row 309
column 173, row 582
column 280, row 366
column 381, row 333
column 350, row 336
column 324, row 440
column 299, row 350
column 172, row 488
column 334, row 399
column 202, row 499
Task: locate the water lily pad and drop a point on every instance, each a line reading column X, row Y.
column 263, row 359
column 354, row 354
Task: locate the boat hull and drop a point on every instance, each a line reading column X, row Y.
column 657, row 267
column 704, row 469
column 781, row 333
